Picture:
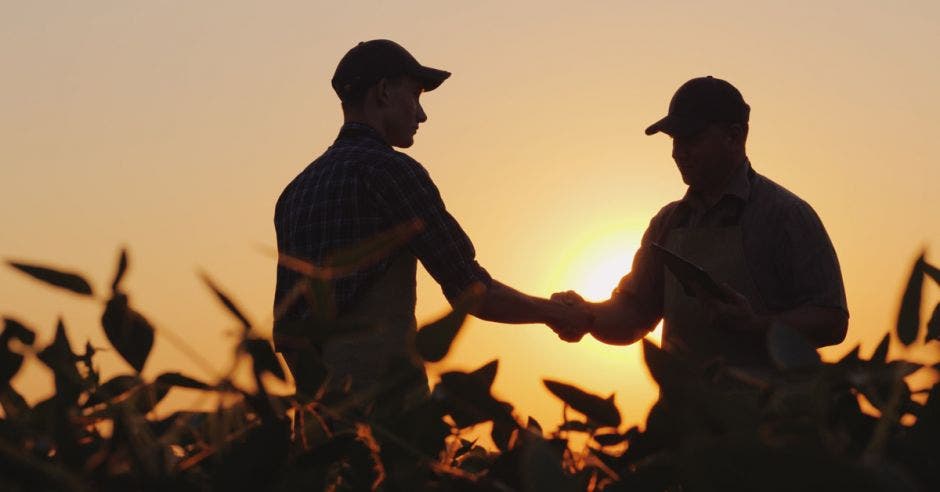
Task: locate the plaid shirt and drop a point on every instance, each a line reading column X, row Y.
column 359, row 188
column 786, row 248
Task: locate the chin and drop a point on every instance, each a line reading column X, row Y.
column 404, row 143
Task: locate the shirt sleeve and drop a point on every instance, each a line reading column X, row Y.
column 404, row 191
column 643, row 286
column 807, row 261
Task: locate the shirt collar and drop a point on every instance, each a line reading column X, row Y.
column 353, row 129
column 739, row 186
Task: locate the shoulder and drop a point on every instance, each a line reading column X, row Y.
column 776, row 200
column 777, row 205
column 667, row 218
column 397, row 167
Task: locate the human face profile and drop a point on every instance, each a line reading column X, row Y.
column 404, row 112
column 702, row 157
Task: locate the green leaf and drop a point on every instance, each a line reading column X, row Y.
column 909, row 313
column 880, row 355
column 179, row 380
column 263, row 358
column 65, row 280
column 128, row 331
column 789, row 349
column 121, row 269
column 933, row 326
column 227, row 302
column 599, row 410
column 434, row 340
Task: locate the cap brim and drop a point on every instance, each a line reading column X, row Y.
column 676, row 126
column 431, row 78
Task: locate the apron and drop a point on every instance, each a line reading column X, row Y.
column 688, row 327
column 389, row 307
column 690, row 332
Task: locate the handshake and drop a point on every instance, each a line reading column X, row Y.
column 575, row 316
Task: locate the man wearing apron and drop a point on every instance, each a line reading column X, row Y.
column 360, row 189
column 763, row 244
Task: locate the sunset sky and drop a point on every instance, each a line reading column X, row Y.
column 171, row 127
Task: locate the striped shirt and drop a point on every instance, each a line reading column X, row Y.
column 359, row 188
column 786, row 248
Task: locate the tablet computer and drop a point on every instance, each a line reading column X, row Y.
column 694, row 279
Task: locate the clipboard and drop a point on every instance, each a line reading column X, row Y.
column 692, row 277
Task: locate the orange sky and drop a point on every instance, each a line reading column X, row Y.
column 171, row 127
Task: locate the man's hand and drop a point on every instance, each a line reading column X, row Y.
column 734, row 313
column 576, row 319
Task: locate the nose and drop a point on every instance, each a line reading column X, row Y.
column 422, row 116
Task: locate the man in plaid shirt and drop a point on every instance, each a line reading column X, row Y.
column 361, row 188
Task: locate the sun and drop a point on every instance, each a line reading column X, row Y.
column 596, row 265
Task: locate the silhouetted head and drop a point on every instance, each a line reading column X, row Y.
column 379, row 83
column 708, row 123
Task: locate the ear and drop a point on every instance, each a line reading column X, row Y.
column 381, row 89
column 735, row 134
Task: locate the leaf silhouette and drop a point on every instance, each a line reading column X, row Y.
column 485, row 375
column 177, row 379
column 60, row 358
column 880, row 355
column 227, row 302
column 14, row 329
column 10, row 362
column 790, row 350
column 121, row 269
column 534, row 426
column 128, row 331
column 575, row 426
column 434, row 340
column 612, row 439
column 597, row 409
column 852, row 357
column 909, row 313
column 468, row 399
column 262, row 355
column 65, row 280
column 932, row 271
column 112, row 389
column 372, row 250
column 933, row 326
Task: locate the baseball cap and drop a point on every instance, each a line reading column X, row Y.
column 697, row 103
column 369, row 61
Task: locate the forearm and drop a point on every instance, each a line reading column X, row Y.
column 503, row 304
column 821, row 326
column 620, row 322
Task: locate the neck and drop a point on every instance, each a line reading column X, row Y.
column 713, row 191
column 365, row 118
